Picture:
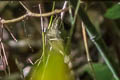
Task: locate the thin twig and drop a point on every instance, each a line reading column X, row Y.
column 51, row 18
column 11, row 34
column 1, row 55
column 14, row 20
column 1, row 33
column 6, row 61
column 43, row 34
column 24, row 7
column 31, row 14
column 4, row 53
column 87, row 50
column 64, row 6
column 43, row 40
column 30, row 61
column 41, row 19
column 3, row 48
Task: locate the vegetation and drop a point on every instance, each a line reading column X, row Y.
column 67, row 40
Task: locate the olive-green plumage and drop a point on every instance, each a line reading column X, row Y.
column 53, row 66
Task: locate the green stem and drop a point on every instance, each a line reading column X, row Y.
column 51, row 18
column 73, row 20
column 95, row 38
column 43, row 40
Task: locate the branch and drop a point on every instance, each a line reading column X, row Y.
column 31, row 14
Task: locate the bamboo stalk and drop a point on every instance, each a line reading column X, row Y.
column 95, row 38
column 73, row 20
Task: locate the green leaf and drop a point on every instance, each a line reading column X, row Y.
column 113, row 12
column 102, row 71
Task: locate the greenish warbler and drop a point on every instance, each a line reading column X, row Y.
column 54, row 66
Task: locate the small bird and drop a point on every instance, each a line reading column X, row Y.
column 53, row 66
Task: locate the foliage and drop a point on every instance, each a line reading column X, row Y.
column 101, row 70
column 37, row 44
column 113, row 12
